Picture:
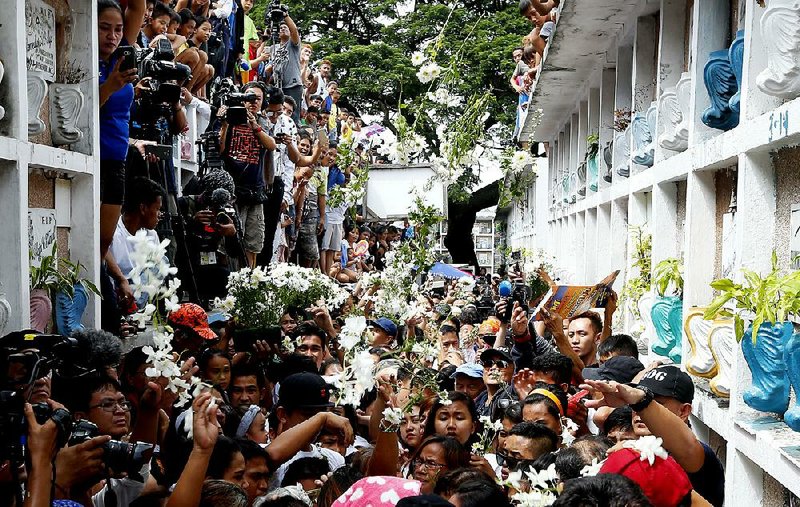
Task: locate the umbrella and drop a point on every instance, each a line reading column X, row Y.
column 447, row 271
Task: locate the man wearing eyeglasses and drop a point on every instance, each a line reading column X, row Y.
column 99, row 400
column 498, row 370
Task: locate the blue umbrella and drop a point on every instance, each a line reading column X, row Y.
column 447, row 271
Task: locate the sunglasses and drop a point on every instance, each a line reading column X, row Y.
column 500, row 363
column 513, row 463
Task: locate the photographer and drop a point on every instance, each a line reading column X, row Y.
column 245, row 147
column 116, row 97
column 99, row 400
column 207, row 218
column 285, row 61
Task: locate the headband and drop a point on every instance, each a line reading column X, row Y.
column 247, row 420
column 552, row 397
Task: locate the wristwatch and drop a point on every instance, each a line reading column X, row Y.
column 644, row 402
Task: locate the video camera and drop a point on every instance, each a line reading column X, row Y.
column 226, row 93
column 518, row 292
column 274, row 17
column 158, row 64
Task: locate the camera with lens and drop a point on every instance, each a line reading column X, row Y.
column 118, row 456
column 26, row 356
column 158, row 64
column 274, row 17
column 237, row 113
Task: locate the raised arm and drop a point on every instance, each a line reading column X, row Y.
column 134, row 17
column 205, row 430
column 299, row 437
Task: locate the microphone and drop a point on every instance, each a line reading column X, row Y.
column 505, row 288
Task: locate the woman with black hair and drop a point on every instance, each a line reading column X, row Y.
column 436, row 455
column 115, row 28
column 457, row 419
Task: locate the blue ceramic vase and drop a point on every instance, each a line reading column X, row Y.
column 70, row 310
column 791, row 354
column 769, row 391
column 667, row 315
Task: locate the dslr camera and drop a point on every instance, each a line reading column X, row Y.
column 26, row 356
column 118, row 456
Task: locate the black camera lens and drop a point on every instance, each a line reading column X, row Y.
column 124, row 456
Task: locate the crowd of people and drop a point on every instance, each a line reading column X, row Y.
column 466, row 407
column 470, row 398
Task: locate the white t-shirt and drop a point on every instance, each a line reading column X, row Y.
column 127, row 489
column 335, row 460
column 121, row 248
column 335, row 215
column 284, row 167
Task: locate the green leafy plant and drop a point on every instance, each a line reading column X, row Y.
column 669, row 271
column 636, row 286
column 592, row 145
column 59, row 275
column 771, row 298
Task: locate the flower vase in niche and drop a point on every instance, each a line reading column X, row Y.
column 780, row 33
column 2, row 73
column 643, row 128
column 582, row 179
column 41, row 309
column 721, row 85
column 66, row 104
column 593, row 170
column 69, row 310
column 791, row 355
column 736, row 57
column 574, row 183
column 700, row 362
column 645, row 305
column 608, row 159
column 565, row 189
column 667, row 315
column 5, row 311
column 769, row 391
column 37, row 91
column 622, row 152
column 722, row 341
column 673, row 110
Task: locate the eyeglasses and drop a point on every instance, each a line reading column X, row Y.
column 432, row 465
column 111, row 405
column 500, row 363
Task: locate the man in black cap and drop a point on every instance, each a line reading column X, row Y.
column 662, row 403
column 619, row 368
column 301, row 397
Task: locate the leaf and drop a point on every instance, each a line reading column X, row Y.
column 723, row 284
column 715, row 306
column 738, row 325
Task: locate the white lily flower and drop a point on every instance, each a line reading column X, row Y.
column 648, row 447
column 417, row 58
column 393, row 416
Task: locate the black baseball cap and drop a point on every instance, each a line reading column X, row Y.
column 618, row 368
column 498, row 352
column 304, row 390
column 669, row 381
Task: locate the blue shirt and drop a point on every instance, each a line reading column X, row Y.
column 335, row 177
column 115, row 117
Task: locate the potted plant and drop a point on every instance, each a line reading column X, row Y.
column 59, row 280
column 71, row 296
column 636, row 296
column 667, row 309
column 43, row 279
column 769, row 344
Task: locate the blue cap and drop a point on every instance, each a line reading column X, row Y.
column 473, row 370
column 387, row 325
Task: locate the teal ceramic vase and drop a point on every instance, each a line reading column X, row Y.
column 667, row 315
column 769, row 391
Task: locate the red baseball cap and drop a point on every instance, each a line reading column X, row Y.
column 193, row 317
column 664, row 482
